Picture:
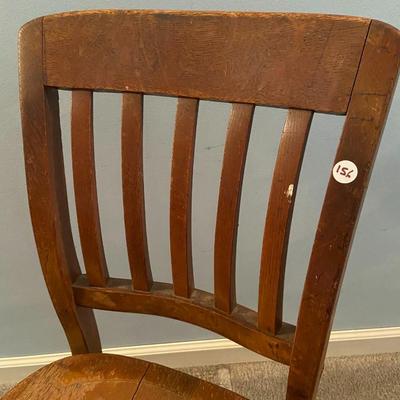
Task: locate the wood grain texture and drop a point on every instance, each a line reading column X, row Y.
column 112, row 377
column 359, row 142
column 84, row 172
column 279, row 217
column 298, row 61
column 230, row 190
column 168, row 384
column 239, row 326
column 47, row 192
column 181, row 196
column 83, row 377
column 133, row 190
column 305, row 61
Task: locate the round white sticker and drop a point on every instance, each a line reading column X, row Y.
column 345, row 171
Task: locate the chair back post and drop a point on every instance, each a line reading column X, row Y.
column 365, row 121
column 47, row 192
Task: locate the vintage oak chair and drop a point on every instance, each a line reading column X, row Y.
column 304, row 63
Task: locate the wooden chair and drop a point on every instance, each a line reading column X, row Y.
column 305, row 63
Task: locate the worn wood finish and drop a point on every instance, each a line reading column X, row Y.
column 168, row 384
column 84, row 172
column 239, row 326
column 305, row 61
column 279, row 217
column 133, row 190
column 237, row 141
column 359, row 142
column 181, row 196
column 47, row 192
column 83, row 377
column 298, row 61
column 112, row 377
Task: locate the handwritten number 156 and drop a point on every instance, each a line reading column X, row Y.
column 344, row 171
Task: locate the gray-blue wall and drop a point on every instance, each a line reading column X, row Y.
column 371, row 291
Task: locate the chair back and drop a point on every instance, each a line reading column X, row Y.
column 305, row 63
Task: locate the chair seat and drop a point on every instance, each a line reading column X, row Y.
column 108, row 376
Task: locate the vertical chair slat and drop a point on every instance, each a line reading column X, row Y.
column 85, row 187
column 229, row 203
column 133, row 190
column 181, row 196
column 279, row 216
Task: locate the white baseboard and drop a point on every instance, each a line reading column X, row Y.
column 211, row 352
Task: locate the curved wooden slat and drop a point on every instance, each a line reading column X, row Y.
column 86, row 201
column 240, row 326
column 285, row 60
column 48, row 204
column 359, row 142
column 279, row 217
column 133, row 190
column 181, row 196
column 237, row 141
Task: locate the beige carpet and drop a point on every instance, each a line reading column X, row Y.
column 372, row 377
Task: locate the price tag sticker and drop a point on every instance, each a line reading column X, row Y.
column 345, row 171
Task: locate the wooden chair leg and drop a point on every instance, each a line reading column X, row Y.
column 89, row 339
column 301, row 384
